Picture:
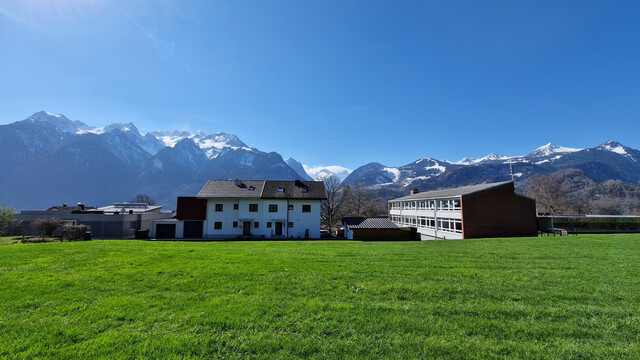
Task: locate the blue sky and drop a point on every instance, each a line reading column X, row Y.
column 334, row 82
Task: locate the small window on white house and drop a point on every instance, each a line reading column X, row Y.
column 235, row 206
column 290, row 207
column 235, row 224
column 219, row 207
column 306, row 208
column 217, row 225
column 280, row 189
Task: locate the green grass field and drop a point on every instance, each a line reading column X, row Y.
column 561, row 298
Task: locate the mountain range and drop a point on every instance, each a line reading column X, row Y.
column 48, row 160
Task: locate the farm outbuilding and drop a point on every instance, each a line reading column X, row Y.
column 375, row 228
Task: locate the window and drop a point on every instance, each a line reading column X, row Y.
column 273, row 207
column 290, row 224
column 290, row 207
column 253, row 207
column 304, row 190
column 219, row 207
column 133, row 225
column 256, row 224
column 280, row 189
column 269, row 224
column 252, row 187
column 306, row 208
column 235, row 224
column 235, row 206
column 217, row 225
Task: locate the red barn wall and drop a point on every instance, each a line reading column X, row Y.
column 498, row 212
column 191, row 208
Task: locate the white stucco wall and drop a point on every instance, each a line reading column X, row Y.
column 301, row 221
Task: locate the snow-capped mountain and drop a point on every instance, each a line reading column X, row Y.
column 610, row 160
column 213, row 144
column 113, row 163
column 320, row 172
column 375, row 174
column 56, row 121
column 299, row 168
column 48, row 159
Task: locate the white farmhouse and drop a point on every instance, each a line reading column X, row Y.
column 230, row 209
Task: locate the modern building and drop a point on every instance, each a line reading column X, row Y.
column 230, row 209
column 117, row 221
column 374, row 228
column 476, row 211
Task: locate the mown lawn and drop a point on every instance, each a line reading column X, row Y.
column 561, row 298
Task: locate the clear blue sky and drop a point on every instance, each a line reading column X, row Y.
column 334, row 82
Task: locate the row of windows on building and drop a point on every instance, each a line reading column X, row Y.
column 217, row 225
column 254, row 207
column 443, row 204
column 444, row 224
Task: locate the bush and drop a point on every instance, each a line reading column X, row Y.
column 46, row 226
column 74, row 232
column 7, row 220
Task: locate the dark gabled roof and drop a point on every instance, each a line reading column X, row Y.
column 264, row 189
column 232, row 189
column 294, row 190
column 453, row 192
column 369, row 223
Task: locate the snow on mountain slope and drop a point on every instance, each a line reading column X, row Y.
column 57, row 121
column 318, row 172
column 213, row 145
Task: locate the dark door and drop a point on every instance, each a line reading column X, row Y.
column 193, row 229
column 278, row 228
column 246, row 228
column 165, row 231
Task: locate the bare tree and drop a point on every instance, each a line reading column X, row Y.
column 46, row 226
column 359, row 202
column 332, row 207
column 144, row 198
column 550, row 193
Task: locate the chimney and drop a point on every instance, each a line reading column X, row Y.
column 414, row 191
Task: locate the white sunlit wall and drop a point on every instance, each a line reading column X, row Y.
column 433, row 218
column 270, row 218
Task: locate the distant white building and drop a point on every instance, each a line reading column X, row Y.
column 228, row 209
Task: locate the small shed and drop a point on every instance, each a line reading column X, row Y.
column 374, row 228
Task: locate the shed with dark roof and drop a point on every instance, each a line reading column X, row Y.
column 374, row 228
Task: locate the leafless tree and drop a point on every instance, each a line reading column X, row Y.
column 332, row 207
column 46, row 226
column 144, row 198
column 549, row 192
column 359, row 202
